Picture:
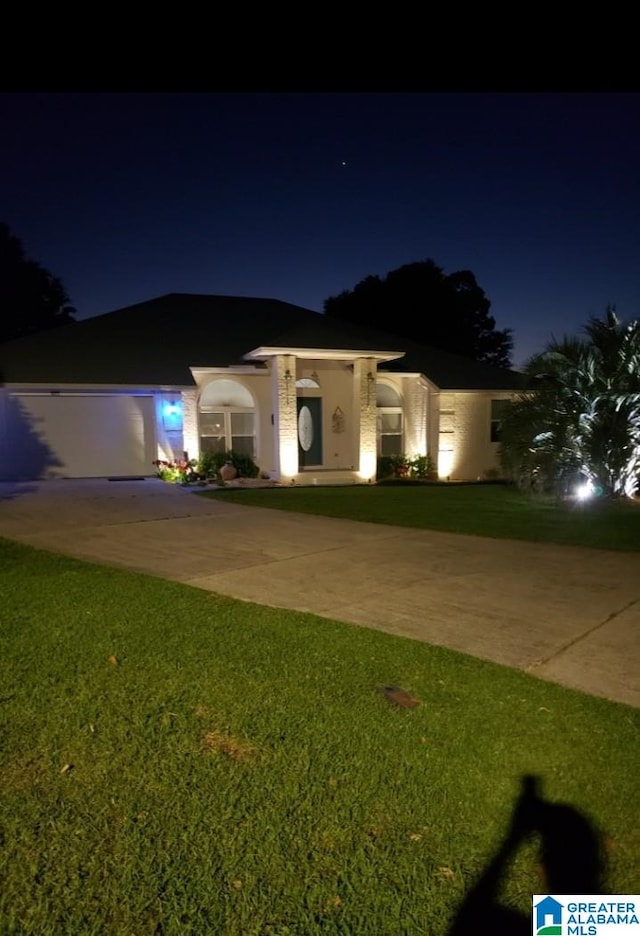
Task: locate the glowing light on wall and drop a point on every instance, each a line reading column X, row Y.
column 172, row 415
column 368, row 461
column 288, row 457
column 445, row 463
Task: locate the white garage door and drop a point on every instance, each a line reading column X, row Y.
column 77, row 436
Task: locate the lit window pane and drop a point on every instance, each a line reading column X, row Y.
column 242, row 424
column 211, row 445
column 212, row 424
column 391, row 422
column 498, row 410
column 221, row 392
column 391, row 445
column 387, row 396
column 243, row 445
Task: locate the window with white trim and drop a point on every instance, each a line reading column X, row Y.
column 390, row 420
column 498, row 409
column 227, row 418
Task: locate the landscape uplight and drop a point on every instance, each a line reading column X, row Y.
column 585, row 490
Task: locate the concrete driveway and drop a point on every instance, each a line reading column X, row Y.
column 568, row 615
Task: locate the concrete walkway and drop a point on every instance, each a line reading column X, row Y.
column 564, row 614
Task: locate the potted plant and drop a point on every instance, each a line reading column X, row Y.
column 228, row 471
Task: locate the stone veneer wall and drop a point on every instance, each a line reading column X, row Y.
column 285, row 416
column 416, row 402
column 190, row 426
column 465, row 448
column 365, row 418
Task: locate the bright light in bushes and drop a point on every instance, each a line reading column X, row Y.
column 586, row 490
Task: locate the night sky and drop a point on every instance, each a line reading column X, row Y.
column 297, row 196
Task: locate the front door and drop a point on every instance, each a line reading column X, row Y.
column 309, row 431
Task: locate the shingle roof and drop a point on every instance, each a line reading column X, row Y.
column 150, row 343
column 453, row 372
column 154, row 343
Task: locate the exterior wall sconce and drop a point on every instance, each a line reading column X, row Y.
column 172, row 412
column 370, row 382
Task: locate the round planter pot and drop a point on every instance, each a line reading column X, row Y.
column 228, row 472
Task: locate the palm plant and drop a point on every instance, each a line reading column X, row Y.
column 580, row 416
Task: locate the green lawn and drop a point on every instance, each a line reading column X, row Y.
column 493, row 510
column 234, row 771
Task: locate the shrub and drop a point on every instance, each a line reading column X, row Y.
column 400, row 466
column 422, row 467
column 384, row 467
column 210, row 463
column 179, row 471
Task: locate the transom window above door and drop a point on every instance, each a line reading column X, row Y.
column 308, row 383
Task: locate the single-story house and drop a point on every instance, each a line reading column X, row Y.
column 313, row 400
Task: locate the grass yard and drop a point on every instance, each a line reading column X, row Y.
column 493, row 510
column 174, row 762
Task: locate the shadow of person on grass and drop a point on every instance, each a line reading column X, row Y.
column 570, row 857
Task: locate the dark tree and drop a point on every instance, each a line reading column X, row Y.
column 31, row 298
column 418, row 301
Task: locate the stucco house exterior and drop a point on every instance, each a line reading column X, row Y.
column 311, row 399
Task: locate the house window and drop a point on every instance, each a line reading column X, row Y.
column 389, row 432
column 390, row 420
column 498, row 408
column 227, row 429
column 227, row 418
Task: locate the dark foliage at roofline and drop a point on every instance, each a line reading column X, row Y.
column 31, row 298
column 419, row 301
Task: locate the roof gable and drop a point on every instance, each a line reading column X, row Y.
column 155, row 343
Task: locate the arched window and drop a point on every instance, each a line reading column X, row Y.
column 227, row 418
column 307, row 383
column 390, row 420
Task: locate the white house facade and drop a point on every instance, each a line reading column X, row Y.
column 311, row 403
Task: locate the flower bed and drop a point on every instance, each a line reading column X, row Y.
column 180, row 471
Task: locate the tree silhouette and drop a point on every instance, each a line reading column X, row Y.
column 418, row 301
column 31, row 298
